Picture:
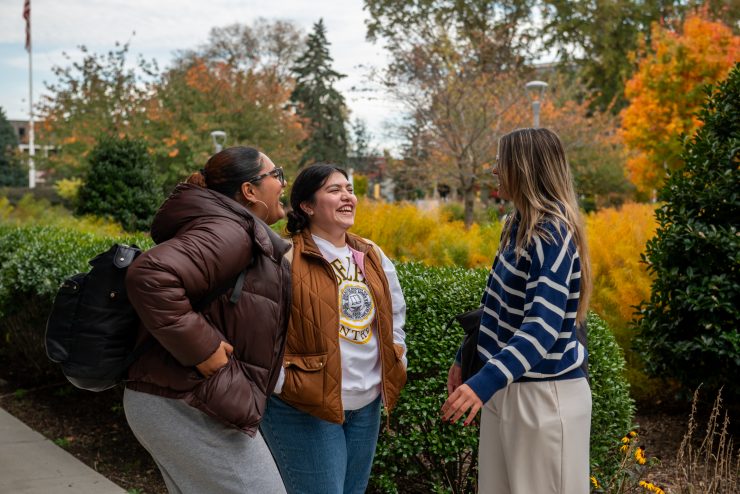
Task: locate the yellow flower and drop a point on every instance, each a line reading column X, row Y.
column 595, row 482
column 651, row 487
column 624, row 449
column 640, row 456
column 628, row 437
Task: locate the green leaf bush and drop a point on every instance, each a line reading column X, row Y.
column 688, row 330
column 613, row 408
column 121, row 183
column 34, row 260
column 418, row 452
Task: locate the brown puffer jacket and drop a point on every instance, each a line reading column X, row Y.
column 204, row 241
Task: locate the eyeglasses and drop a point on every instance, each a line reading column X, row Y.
column 275, row 172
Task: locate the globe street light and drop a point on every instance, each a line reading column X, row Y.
column 219, row 139
column 536, row 91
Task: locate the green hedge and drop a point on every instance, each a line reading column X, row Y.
column 418, row 453
column 34, row 261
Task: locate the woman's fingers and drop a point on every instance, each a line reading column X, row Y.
column 459, row 402
column 473, row 412
column 454, row 378
column 218, row 359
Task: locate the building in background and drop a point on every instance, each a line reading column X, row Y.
column 21, row 131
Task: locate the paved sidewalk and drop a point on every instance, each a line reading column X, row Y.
column 32, row 464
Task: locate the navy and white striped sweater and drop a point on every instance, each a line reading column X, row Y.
column 527, row 330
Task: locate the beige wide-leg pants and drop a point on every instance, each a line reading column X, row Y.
column 534, row 439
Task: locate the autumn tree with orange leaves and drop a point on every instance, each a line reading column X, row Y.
column 236, row 82
column 101, row 94
column 198, row 97
column 666, row 92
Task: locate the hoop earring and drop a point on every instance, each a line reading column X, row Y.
column 267, row 209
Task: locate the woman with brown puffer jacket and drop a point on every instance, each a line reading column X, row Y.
column 195, row 400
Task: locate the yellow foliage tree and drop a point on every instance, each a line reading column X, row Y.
column 666, row 91
column 406, row 233
column 616, row 238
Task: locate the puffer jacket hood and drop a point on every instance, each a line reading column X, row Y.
column 189, row 203
column 204, row 241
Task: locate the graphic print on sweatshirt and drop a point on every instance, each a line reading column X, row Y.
column 356, row 305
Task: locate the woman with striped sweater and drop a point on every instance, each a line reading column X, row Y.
column 535, row 400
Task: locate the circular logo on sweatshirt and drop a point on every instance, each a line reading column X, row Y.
column 356, row 312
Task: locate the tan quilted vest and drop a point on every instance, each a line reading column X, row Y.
column 312, row 362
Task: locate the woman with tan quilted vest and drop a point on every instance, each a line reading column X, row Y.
column 345, row 354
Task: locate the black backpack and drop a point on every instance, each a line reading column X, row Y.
column 92, row 327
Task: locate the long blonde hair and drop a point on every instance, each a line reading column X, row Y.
column 535, row 174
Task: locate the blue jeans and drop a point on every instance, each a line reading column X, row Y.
column 319, row 457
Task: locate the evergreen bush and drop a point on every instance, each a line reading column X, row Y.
column 688, row 329
column 33, row 262
column 121, row 183
column 613, row 408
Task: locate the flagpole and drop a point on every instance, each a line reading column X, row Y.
column 31, row 144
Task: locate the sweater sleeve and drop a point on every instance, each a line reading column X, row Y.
column 544, row 312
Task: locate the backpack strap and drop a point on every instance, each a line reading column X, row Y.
column 148, row 343
column 238, row 284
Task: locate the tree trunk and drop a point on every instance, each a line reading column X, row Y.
column 469, row 203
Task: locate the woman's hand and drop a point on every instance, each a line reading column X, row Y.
column 460, row 401
column 454, row 378
column 218, row 359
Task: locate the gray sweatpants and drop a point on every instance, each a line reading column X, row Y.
column 197, row 454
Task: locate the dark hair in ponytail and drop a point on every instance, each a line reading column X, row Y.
column 227, row 170
column 308, row 181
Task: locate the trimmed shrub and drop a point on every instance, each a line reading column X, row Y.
column 613, row 409
column 421, row 453
column 33, row 262
column 689, row 327
column 121, row 183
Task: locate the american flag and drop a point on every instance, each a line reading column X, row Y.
column 27, row 17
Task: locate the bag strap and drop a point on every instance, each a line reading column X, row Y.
column 237, row 286
column 149, row 342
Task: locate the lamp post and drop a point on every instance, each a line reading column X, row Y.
column 536, row 91
column 219, row 139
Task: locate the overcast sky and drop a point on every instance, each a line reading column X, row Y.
column 162, row 26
